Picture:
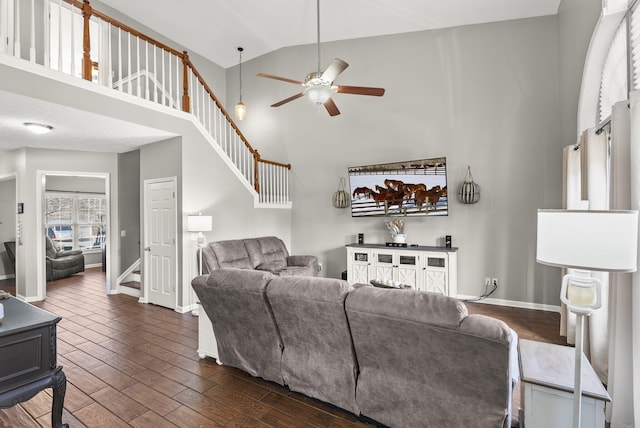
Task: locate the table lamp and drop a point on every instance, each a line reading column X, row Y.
column 585, row 241
column 199, row 223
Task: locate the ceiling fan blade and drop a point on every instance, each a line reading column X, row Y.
column 360, row 90
column 334, row 69
column 284, row 79
column 294, row 97
column 331, row 107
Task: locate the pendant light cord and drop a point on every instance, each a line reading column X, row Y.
column 318, row 22
column 240, row 63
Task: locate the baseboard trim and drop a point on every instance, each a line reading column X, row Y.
column 10, row 276
column 513, row 303
column 93, row 265
column 185, row 309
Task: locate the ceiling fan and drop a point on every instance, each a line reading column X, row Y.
column 319, row 87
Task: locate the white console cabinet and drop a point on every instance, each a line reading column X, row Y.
column 207, row 344
column 431, row 269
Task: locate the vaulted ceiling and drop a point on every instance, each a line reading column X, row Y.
column 215, row 28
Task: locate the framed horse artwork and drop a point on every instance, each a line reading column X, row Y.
column 410, row 188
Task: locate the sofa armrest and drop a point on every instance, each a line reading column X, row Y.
column 68, row 253
column 302, row 261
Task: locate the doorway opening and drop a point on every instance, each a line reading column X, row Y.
column 75, row 215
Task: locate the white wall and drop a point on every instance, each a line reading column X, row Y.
column 482, row 95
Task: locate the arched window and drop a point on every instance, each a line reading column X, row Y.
column 614, row 80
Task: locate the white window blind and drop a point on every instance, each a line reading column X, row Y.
column 613, row 82
column 634, row 40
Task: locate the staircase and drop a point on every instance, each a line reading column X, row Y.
column 130, row 280
column 119, row 57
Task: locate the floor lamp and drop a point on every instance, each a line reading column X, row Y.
column 199, row 223
column 585, row 241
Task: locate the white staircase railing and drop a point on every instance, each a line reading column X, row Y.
column 73, row 38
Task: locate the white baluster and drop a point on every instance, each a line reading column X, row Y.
column 109, row 58
column 4, row 26
column 176, row 101
column 129, row 77
column 59, row 35
column 170, row 100
column 155, row 74
column 120, row 78
column 47, row 36
column 72, row 70
column 16, row 41
column 32, row 45
column 138, row 87
column 164, row 80
column 146, row 67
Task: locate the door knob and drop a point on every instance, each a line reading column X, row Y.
column 147, row 249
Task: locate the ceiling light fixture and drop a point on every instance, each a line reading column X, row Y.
column 241, row 109
column 38, row 128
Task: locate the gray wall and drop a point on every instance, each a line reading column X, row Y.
column 129, row 208
column 483, row 95
column 576, row 21
column 163, row 160
column 7, row 223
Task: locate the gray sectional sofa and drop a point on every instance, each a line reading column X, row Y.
column 267, row 253
column 402, row 358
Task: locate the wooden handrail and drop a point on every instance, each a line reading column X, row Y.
column 224, row 111
column 283, row 165
column 87, row 68
column 125, row 27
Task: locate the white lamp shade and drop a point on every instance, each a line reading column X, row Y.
column 589, row 240
column 199, row 223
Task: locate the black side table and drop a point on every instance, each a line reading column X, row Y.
column 28, row 354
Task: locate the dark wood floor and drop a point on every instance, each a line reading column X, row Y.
column 130, row 364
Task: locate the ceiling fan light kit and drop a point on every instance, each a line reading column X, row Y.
column 318, row 86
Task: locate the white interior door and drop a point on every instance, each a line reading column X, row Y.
column 160, row 250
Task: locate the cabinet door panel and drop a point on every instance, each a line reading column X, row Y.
column 436, row 281
column 359, row 273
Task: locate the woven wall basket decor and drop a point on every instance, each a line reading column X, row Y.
column 341, row 197
column 469, row 191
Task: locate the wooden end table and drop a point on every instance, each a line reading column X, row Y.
column 28, row 357
column 547, row 372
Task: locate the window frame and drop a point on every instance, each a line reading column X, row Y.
column 74, row 221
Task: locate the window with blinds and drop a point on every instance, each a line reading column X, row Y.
column 76, row 221
column 613, row 81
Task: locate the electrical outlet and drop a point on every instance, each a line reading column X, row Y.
column 487, row 282
column 494, row 281
column 319, row 266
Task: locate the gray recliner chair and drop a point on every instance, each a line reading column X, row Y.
column 61, row 264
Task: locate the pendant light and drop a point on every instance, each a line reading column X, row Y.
column 241, row 109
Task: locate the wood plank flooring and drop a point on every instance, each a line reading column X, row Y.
column 135, row 365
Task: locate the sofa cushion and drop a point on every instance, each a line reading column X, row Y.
column 236, row 303
column 422, row 364
column 318, row 358
column 273, row 267
column 231, row 254
column 272, row 249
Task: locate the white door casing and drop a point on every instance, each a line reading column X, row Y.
column 160, row 248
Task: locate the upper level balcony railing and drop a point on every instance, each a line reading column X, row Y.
column 72, row 37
